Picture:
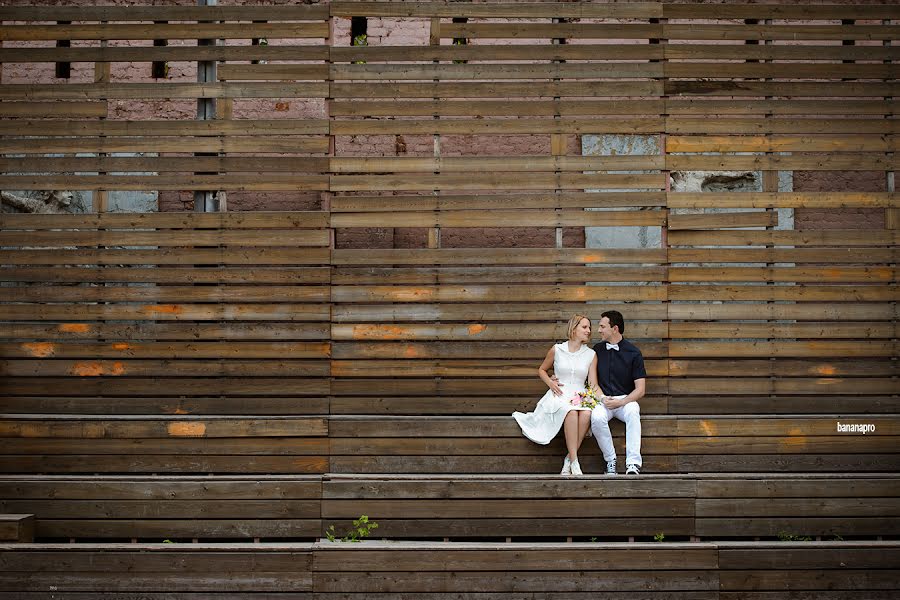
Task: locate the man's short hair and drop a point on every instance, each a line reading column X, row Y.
column 615, row 319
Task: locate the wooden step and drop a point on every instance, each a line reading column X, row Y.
column 16, row 528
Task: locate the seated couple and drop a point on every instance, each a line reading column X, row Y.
column 614, row 369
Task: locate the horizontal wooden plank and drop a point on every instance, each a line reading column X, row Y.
column 169, row 350
column 496, row 256
column 172, row 386
column 777, row 52
column 782, row 330
column 165, row 144
column 722, row 220
column 163, row 53
column 673, row 31
column 836, row 274
column 158, row 405
column 167, row 312
column 782, row 143
column 802, row 292
column 179, row 529
column 527, row 10
column 259, row 446
column 187, row 238
column 167, row 220
column 762, row 107
column 107, row 164
column 159, row 91
column 500, row 90
column 512, row 107
column 780, row 11
column 521, row 312
column 762, row 256
column 164, row 294
column 762, row 348
column 179, row 128
column 441, row 275
column 808, row 162
column 222, row 275
column 513, row 293
column 445, row 72
column 474, row 331
column 31, row 110
column 160, row 368
column 799, row 312
column 456, row 164
column 192, row 31
column 169, row 256
column 794, row 238
column 734, row 126
column 163, row 13
column 494, row 181
column 778, row 200
column 494, row 201
column 162, row 427
column 495, row 52
column 500, row 218
column 138, row 334
column 802, row 89
column 283, row 183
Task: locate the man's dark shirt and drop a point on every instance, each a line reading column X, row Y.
column 617, row 369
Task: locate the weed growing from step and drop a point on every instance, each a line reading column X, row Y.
column 362, row 527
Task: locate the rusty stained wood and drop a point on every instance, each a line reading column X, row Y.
column 190, row 332
column 167, row 312
column 476, row 126
column 126, row 367
column 170, row 350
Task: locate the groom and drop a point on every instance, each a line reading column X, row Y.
column 621, row 374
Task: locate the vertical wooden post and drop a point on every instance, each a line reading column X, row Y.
column 101, row 75
column 891, row 215
column 434, row 39
column 205, row 200
column 557, row 142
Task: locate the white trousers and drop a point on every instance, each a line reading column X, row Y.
column 631, row 415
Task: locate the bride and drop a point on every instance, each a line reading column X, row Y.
column 572, row 362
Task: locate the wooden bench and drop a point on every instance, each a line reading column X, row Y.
column 165, row 507
column 682, row 444
column 708, row 506
column 658, row 571
column 16, row 528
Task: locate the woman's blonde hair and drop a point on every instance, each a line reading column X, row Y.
column 573, row 323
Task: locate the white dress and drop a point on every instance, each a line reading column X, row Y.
column 571, row 368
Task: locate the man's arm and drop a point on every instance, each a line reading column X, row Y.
column 640, row 385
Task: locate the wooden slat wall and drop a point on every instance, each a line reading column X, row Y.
column 165, row 343
column 136, row 319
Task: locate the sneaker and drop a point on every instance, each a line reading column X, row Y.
column 632, row 470
column 567, row 467
column 611, row 467
column 576, row 468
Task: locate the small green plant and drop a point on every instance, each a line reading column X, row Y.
column 360, row 40
column 593, row 539
column 168, row 542
column 659, row 537
column 836, row 537
column 784, row 536
column 362, row 528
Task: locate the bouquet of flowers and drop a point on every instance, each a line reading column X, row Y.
column 585, row 399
